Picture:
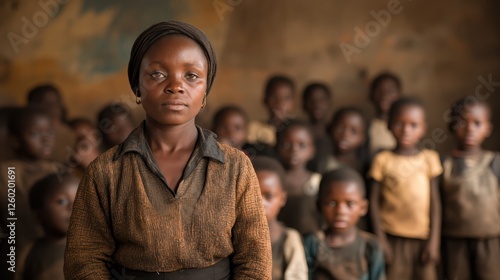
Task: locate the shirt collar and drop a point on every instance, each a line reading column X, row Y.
column 136, row 142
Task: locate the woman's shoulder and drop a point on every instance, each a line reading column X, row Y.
column 232, row 154
column 104, row 162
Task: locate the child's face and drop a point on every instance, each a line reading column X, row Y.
column 273, row 195
column 316, row 106
column 38, row 138
column 385, row 94
column 56, row 211
column 409, row 126
column 342, row 206
column 296, row 147
column 87, row 144
column 473, row 127
column 232, row 130
column 280, row 101
column 349, row 133
column 120, row 129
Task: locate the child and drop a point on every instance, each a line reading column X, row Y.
column 348, row 134
column 231, row 126
column 471, row 197
column 404, row 198
column 341, row 251
column 87, row 145
column 49, row 98
column 51, row 198
column 115, row 123
column 289, row 261
column 33, row 133
column 295, row 147
column 278, row 99
column 316, row 102
column 384, row 90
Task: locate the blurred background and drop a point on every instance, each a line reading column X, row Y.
column 442, row 50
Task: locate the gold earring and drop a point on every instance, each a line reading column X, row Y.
column 137, row 95
column 204, row 102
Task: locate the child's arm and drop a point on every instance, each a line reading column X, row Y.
column 431, row 252
column 296, row 266
column 375, row 215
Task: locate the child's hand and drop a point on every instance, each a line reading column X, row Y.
column 386, row 247
column 430, row 253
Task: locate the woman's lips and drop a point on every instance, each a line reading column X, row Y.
column 174, row 105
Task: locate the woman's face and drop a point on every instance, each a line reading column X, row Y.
column 173, row 80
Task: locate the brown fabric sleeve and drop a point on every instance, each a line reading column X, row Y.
column 90, row 242
column 252, row 257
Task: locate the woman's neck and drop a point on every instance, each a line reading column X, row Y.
column 170, row 138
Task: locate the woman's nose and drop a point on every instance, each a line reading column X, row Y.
column 174, row 84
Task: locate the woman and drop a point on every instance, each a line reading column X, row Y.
column 169, row 202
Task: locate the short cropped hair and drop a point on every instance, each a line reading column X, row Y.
column 461, row 106
column 222, row 112
column 310, row 88
column 265, row 163
column 342, row 174
column 401, row 103
column 380, row 78
column 45, row 187
column 290, row 124
column 274, row 81
column 20, row 118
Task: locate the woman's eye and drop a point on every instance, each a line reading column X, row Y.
column 157, row 75
column 191, row 76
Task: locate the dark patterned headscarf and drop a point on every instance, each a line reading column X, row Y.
column 149, row 36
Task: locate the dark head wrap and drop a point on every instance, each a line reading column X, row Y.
column 149, row 36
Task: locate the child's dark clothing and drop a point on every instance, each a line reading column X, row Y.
column 407, row 256
column 471, row 217
column 361, row 260
column 320, row 160
column 45, row 261
column 300, row 211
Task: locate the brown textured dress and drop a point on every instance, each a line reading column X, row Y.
column 125, row 214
